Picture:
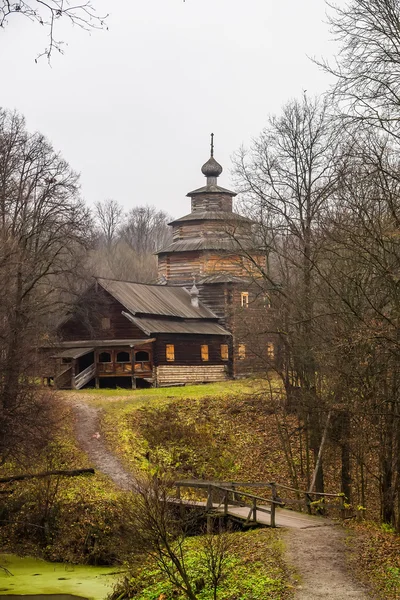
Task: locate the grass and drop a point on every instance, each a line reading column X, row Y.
column 254, row 570
column 137, row 398
column 223, row 430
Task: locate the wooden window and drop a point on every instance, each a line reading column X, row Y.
column 105, row 323
column 204, row 352
column 170, row 352
column 123, row 357
column 244, row 299
column 142, row 356
column 224, row 352
column 271, row 350
column 242, row 351
column 105, row 357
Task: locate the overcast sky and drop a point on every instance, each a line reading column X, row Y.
column 132, row 108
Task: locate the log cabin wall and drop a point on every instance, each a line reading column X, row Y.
column 188, row 349
column 256, row 345
column 215, row 297
column 182, row 374
column 99, row 316
column 188, row 365
column 211, row 201
column 178, row 268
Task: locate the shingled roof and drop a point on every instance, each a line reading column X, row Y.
column 211, row 243
column 148, row 299
column 211, row 189
column 212, row 215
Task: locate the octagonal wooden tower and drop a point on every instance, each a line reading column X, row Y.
column 214, row 247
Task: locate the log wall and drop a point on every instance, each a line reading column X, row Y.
column 188, row 349
column 173, row 374
column 86, row 321
column 209, row 202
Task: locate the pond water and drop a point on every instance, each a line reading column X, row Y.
column 41, row 580
column 42, row 597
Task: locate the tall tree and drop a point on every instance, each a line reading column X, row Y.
column 44, row 231
column 367, row 69
column 127, row 242
column 109, row 218
column 289, row 177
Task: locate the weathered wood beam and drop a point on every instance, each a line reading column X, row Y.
column 63, row 473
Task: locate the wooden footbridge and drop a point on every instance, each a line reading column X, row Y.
column 229, row 499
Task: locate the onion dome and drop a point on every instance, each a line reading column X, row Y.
column 211, row 168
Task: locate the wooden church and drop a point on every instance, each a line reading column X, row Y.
column 190, row 327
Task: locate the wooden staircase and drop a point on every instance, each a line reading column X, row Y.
column 84, row 377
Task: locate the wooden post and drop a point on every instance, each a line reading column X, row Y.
column 133, row 382
column 274, row 495
column 209, row 504
column 233, row 492
column 97, row 383
column 255, row 510
column 273, row 508
column 226, row 503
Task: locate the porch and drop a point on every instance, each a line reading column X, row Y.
column 102, row 365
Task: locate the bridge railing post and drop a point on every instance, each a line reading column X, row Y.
column 226, row 503
column 234, row 498
column 274, row 495
column 273, row 508
column 209, row 504
column 255, row 510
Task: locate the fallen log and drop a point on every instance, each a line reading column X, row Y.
column 63, row 473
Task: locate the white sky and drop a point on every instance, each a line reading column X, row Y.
column 131, row 109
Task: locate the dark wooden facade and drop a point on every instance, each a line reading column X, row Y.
column 99, row 343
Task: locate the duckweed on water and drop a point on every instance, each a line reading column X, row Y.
column 33, row 576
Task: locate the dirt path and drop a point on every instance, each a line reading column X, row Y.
column 319, row 557
column 317, row 553
column 90, row 440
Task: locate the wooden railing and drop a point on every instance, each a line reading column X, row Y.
column 304, row 500
column 84, row 377
column 232, row 496
column 63, row 378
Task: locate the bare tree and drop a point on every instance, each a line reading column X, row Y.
column 146, row 229
column 109, row 218
column 127, row 243
column 160, row 531
column 367, row 69
column 48, row 14
column 289, row 177
column 44, row 234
